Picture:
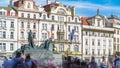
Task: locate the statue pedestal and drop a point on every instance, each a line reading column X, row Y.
column 45, row 58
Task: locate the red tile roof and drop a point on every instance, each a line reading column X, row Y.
column 48, row 7
column 84, row 21
column 18, row 3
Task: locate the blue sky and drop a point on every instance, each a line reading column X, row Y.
column 85, row 7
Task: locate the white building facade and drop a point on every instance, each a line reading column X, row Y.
column 97, row 37
column 116, row 24
column 53, row 20
column 8, row 31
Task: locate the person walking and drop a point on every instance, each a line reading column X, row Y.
column 93, row 64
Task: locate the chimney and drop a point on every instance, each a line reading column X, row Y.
column 48, row 1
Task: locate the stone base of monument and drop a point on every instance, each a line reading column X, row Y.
column 45, row 58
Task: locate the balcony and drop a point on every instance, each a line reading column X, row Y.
column 60, row 32
column 60, row 41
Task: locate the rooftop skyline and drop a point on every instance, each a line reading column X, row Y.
column 85, row 7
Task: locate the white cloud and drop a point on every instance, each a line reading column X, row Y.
column 93, row 6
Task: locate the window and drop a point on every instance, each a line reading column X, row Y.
column 76, row 48
column 98, row 22
column 86, row 41
column 93, row 52
column 53, row 18
column 28, row 25
column 110, row 42
column 93, row 42
column 52, row 27
column 61, row 27
column 61, row 37
column 44, row 36
column 11, row 47
column 68, row 19
column 12, row 35
column 4, row 46
column 2, row 13
column 69, row 28
column 118, row 40
column 34, row 25
column 104, row 42
column 86, row 33
column 28, row 15
column 109, row 52
column 0, row 46
column 98, row 42
column 104, row 51
column 4, row 23
column 86, row 51
column 75, row 20
column 98, row 51
column 22, row 24
column 61, row 18
column 44, row 17
column 44, row 26
column 34, row 35
column 0, row 34
column 22, row 34
column 4, row 34
column 0, row 23
column 34, row 16
column 61, row 47
column 22, row 14
column 76, row 28
column 12, row 24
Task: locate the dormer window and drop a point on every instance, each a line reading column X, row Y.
column 98, row 22
column 75, row 20
column 28, row 6
column 44, row 16
column 68, row 19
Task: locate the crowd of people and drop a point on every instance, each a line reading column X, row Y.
column 20, row 61
column 25, row 61
column 112, row 62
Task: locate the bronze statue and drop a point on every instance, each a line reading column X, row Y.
column 30, row 39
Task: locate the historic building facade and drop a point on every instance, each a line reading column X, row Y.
column 57, row 22
column 8, row 31
column 28, row 19
column 54, row 20
column 98, row 33
column 116, row 24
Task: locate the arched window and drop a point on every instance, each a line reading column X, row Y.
column 76, row 48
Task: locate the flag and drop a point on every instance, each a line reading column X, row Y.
column 72, row 34
column 51, row 34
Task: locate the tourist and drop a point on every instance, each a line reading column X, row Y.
column 117, row 60
column 19, row 60
column 93, row 64
column 8, row 63
column 28, row 61
column 110, row 62
column 103, row 63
